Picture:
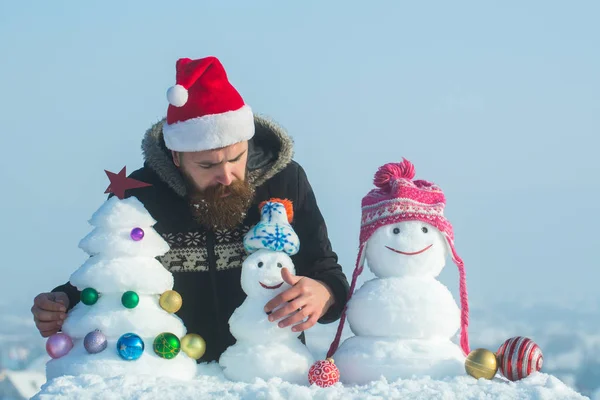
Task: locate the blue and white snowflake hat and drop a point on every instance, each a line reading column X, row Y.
column 274, row 231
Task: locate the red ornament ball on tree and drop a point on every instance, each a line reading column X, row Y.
column 518, row 357
column 324, row 373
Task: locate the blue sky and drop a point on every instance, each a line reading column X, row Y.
column 497, row 102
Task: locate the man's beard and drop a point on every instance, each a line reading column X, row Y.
column 212, row 211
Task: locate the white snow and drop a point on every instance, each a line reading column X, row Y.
column 109, row 364
column 113, row 223
column 118, row 243
column 491, row 324
column 111, row 318
column 20, row 383
column 249, row 322
column 286, row 360
column 384, row 261
column 263, row 267
column 210, row 383
column 404, row 318
column 410, row 308
column 143, row 275
column 120, row 264
column 127, row 213
column 263, row 349
column 364, row 359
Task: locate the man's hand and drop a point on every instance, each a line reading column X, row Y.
column 307, row 298
column 49, row 311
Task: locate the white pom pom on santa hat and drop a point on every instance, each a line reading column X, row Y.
column 177, row 95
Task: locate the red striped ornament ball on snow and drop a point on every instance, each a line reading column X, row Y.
column 518, row 357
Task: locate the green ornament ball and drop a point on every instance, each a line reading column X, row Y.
column 130, row 299
column 89, row 296
column 167, row 345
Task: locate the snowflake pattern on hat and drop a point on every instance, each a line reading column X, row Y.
column 273, row 232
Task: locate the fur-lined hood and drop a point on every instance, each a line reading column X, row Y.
column 269, row 151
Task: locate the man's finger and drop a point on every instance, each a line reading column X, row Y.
column 48, row 326
column 295, row 318
column 306, row 325
column 45, row 303
column 62, row 298
column 286, row 310
column 289, row 278
column 284, row 297
column 48, row 316
column 49, row 332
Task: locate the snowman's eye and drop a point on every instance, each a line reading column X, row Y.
column 260, row 264
column 396, row 231
column 424, row 229
column 280, row 265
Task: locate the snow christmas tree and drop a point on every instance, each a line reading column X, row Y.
column 125, row 322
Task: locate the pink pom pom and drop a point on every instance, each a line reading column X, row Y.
column 390, row 172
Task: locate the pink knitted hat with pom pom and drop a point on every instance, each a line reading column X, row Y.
column 399, row 198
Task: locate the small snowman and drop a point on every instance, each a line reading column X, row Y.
column 262, row 348
column 404, row 319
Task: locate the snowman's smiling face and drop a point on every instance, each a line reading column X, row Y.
column 261, row 273
column 410, row 248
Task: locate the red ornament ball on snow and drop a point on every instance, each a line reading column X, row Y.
column 518, row 357
column 324, row 373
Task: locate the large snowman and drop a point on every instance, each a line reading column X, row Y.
column 262, row 348
column 404, row 319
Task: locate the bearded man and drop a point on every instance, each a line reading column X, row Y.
column 210, row 163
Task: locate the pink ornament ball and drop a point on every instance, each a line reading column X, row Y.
column 58, row 345
column 137, row 234
column 519, row 357
column 324, row 373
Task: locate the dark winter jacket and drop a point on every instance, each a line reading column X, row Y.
column 206, row 265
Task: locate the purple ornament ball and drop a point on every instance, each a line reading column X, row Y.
column 137, row 234
column 95, row 342
column 58, row 345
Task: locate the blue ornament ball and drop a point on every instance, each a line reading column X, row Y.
column 95, row 342
column 130, row 346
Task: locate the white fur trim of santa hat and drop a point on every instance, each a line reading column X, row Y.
column 210, row 131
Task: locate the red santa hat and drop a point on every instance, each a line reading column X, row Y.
column 205, row 111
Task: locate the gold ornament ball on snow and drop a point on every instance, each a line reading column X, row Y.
column 170, row 301
column 481, row 363
column 193, row 345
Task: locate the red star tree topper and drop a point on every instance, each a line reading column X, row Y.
column 119, row 183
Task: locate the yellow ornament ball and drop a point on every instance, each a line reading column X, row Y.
column 170, row 301
column 193, row 345
column 481, row 363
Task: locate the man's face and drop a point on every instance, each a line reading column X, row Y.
column 211, row 168
column 217, row 189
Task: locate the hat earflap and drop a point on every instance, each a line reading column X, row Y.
column 360, row 262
